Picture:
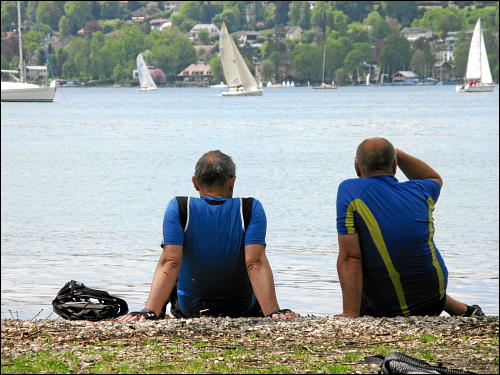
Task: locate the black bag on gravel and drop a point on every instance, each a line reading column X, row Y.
column 398, row 363
column 75, row 301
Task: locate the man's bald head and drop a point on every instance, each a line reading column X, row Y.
column 376, row 156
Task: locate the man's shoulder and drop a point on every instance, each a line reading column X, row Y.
column 354, row 183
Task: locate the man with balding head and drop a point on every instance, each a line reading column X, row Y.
column 388, row 263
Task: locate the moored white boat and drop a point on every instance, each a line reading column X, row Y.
column 14, row 89
column 27, row 92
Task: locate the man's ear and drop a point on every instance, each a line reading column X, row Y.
column 357, row 168
column 231, row 182
column 195, row 183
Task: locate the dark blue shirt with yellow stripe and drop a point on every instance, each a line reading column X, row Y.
column 403, row 271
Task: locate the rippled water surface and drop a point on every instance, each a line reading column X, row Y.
column 85, row 181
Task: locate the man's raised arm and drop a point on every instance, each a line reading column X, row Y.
column 414, row 168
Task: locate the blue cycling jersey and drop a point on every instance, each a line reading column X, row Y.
column 403, row 270
column 213, row 259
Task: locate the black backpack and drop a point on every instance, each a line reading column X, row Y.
column 77, row 302
column 183, row 214
column 398, row 363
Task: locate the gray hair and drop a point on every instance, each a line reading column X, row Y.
column 214, row 168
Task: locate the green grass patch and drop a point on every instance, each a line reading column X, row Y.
column 425, row 337
column 209, row 355
column 352, row 357
column 201, row 343
column 339, row 369
column 428, row 356
column 149, row 342
column 36, row 363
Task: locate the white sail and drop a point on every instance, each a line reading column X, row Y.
column 368, row 79
column 478, row 74
column 478, row 67
column 485, row 66
column 234, row 67
column 145, row 79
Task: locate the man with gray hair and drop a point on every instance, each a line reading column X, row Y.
column 388, row 263
column 213, row 261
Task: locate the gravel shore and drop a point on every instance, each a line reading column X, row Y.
column 245, row 345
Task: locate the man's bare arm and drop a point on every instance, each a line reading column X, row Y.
column 414, row 168
column 349, row 268
column 261, row 277
column 164, row 279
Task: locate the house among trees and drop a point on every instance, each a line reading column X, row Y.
column 293, row 32
column 213, row 31
column 160, row 24
column 414, row 33
column 195, row 75
column 404, row 76
column 253, row 38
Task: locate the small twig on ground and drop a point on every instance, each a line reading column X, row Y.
column 11, row 314
column 37, row 314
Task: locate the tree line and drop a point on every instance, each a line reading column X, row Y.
column 99, row 41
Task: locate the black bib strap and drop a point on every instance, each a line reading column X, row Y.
column 247, row 211
column 182, row 203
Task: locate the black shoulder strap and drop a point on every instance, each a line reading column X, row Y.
column 247, row 210
column 182, row 203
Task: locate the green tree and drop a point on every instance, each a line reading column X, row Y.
column 341, row 77
column 380, row 29
column 340, row 21
column 49, row 13
column 307, row 62
column 282, row 8
column 171, row 51
column 358, row 33
column 9, row 15
column 203, row 36
column 355, row 10
column 419, row 63
column 216, row 69
column 305, row 16
column 322, row 16
column 395, row 53
column 78, row 13
column 109, row 9
column 352, row 61
column 404, row 11
column 443, row 20
column 295, row 12
column 64, row 26
column 268, row 70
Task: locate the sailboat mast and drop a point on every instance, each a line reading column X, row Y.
column 324, row 55
column 21, row 62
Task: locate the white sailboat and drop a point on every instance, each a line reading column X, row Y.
column 16, row 89
column 368, row 79
column 220, row 85
column 324, row 85
column 478, row 75
column 239, row 79
column 145, row 80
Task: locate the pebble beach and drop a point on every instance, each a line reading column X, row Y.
column 245, row 345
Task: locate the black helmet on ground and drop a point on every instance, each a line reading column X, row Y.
column 77, row 302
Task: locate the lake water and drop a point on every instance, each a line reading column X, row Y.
column 85, row 181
